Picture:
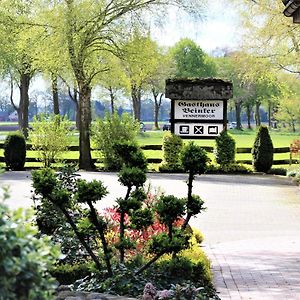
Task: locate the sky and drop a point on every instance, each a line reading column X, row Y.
column 217, row 30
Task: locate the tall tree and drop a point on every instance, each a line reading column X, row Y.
column 86, row 30
column 268, row 33
column 140, row 61
column 191, row 61
column 18, row 40
column 162, row 71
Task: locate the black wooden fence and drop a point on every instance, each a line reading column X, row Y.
column 159, row 160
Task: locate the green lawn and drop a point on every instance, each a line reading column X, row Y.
column 243, row 139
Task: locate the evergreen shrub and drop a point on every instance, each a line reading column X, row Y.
column 225, row 149
column 172, row 147
column 15, row 151
column 262, row 151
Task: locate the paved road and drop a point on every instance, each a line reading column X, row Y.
column 251, row 225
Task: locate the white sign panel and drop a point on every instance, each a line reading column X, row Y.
column 198, row 109
column 198, row 129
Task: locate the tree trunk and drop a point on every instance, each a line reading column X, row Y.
column 24, row 103
column 55, row 95
column 248, row 112
column 238, row 110
column 157, row 105
column 85, row 158
column 136, row 101
column 74, row 98
column 269, row 114
column 112, row 100
column 257, row 113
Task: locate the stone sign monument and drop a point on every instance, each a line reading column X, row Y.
column 198, row 106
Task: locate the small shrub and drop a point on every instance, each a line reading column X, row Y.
column 15, row 151
column 108, row 132
column 172, row 146
column 278, row 171
column 50, row 137
column 225, row 149
column 194, row 159
column 234, row 168
column 24, row 259
column 262, row 151
column 69, row 273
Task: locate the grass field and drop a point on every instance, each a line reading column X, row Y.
column 243, row 138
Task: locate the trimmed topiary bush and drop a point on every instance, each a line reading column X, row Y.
column 225, row 149
column 172, row 146
column 15, row 151
column 262, row 151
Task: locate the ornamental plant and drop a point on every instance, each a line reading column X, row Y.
column 50, row 189
column 50, row 137
column 194, row 160
column 151, row 228
column 262, row 151
column 172, row 146
column 225, row 149
column 15, row 151
column 108, row 132
column 25, row 260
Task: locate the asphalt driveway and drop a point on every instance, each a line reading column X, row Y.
column 251, row 227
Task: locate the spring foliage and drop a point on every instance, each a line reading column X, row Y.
column 50, row 137
column 113, row 129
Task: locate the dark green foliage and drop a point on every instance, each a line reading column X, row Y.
column 194, row 159
column 162, row 243
column 90, row 191
column 141, row 218
column 132, row 176
column 278, row 171
column 131, row 155
column 225, row 149
column 195, row 205
column 170, row 208
column 69, row 273
column 172, row 146
column 15, row 151
column 262, row 151
column 44, row 181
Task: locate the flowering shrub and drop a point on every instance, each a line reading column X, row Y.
column 140, row 237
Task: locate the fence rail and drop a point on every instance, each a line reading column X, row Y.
column 159, row 160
